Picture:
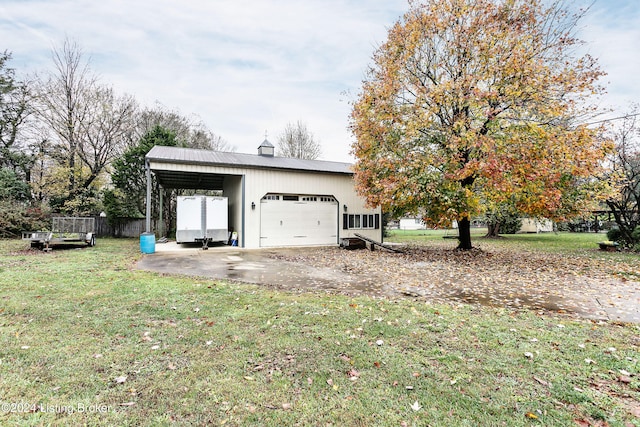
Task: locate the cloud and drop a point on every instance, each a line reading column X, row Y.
column 246, row 67
column 612, row 33
column 242, row 66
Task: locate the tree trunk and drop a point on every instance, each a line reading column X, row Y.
column 464, row 234
column 493, row 230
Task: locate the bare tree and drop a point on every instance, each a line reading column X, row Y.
column 63, row 106
column 104, row 131
column 15, row 109
column 298, row 142
column 626, row 170
column 202, row 137
column 190, row 132
column 83, row 125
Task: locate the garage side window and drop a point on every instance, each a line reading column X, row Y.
column 361, row 221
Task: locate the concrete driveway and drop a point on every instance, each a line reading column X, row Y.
column 424, row 275
column 257, row 266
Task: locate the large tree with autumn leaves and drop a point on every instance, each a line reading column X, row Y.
column 471, row 105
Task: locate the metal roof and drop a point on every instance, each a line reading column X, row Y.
column 179, row 155
column 172, row 178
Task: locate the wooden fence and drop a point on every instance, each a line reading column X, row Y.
column 126, row 227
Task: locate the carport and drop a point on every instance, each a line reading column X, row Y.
column 181, row 168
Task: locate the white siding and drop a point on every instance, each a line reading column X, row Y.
column 259, row 182
column 412, row 224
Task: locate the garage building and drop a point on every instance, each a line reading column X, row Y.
column 273, row 201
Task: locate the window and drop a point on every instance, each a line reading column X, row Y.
column 309, row 199
column 361, row 221
column 271, row 197
column 291, row 198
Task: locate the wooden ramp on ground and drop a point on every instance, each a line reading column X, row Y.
column 373, row 244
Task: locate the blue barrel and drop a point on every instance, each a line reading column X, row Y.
column 147, row 243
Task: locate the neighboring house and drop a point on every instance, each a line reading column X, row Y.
column 273, row 201
column 530, row 225
column 412, row 224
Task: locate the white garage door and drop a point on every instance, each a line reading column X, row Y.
column 288, row 220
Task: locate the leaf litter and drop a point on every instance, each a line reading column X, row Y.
column 580, row 284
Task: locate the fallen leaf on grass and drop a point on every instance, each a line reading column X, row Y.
column 531, row 415
column 345, row 358
column 121, row 379
column 286, row 406
column 624, row 379
column 543, row 382
column 416, row 406
column 353, row 374
column 128, row 404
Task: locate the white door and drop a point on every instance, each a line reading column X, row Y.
column 306, row 221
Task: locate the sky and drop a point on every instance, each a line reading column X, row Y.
column 247, row 68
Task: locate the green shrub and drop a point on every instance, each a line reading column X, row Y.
column 615, row 235
column 16, row 217
column 510, row 224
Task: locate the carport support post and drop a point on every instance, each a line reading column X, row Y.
column 148, row 209
column 161, row 223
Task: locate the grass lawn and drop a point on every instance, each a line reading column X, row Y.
column 551, row 242
column 566, row 243
column 87, row 340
